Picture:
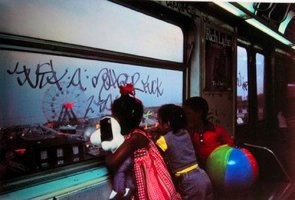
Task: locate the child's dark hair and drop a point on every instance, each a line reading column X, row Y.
column 173, row 115
column 198, row 104
column 129, row 111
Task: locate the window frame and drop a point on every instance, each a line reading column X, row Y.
column 247, row 51
column 36, row 45
column 254, row 125
column 260, row 51
column 252, row 85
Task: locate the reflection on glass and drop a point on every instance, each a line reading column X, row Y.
column 75, row 150
column 59, row 152
column 99, row 24
column 242, row 86
column 43, row 155
column 55, row 129
column 260, row 85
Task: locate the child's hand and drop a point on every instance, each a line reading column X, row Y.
column 154, row 131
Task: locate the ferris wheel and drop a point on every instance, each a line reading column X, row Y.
column 64, row 102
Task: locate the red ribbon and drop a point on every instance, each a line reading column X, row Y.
column 127, row 89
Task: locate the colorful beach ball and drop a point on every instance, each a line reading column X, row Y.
column 232, row 168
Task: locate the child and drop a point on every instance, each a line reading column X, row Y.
column 110, row 138
column 192, row 181
column 205, row 135
column 153, row 180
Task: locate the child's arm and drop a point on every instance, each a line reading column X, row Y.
column 155, row 132
column 126, row 149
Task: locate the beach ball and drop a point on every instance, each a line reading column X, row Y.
column 232, row 168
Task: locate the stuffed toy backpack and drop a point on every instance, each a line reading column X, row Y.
column 109, row 137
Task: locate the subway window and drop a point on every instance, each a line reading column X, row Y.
column 99, row 24
column 260, row 91
column 51, row 102
column 242, row 86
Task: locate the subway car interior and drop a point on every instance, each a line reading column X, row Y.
column 62, row 63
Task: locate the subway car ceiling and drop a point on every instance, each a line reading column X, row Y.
column 255, row 22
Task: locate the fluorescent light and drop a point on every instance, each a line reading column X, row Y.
column 232, row 9
column 284, row 24
column 268, row 31
column 248, row 6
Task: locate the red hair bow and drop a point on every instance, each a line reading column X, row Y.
column 127, row 89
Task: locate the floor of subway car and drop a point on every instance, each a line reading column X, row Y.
column 284, row 148
column 262, row 191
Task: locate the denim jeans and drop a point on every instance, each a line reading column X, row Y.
column 195, row 185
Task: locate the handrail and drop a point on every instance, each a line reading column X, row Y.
column 273, row 154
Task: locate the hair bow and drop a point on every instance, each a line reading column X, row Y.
column 127, row 89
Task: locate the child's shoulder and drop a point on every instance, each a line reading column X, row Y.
column 142, row 132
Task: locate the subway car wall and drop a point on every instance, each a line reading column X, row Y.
column 62, row 63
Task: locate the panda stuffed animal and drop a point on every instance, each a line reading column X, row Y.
column 110, row 138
